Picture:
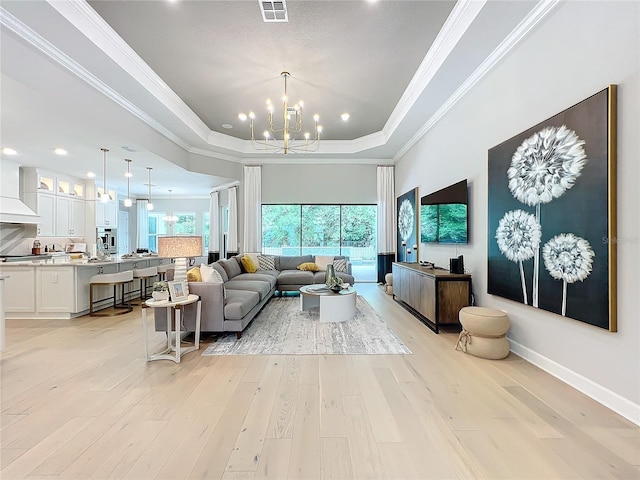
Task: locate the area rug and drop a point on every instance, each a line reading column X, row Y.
column 282, row 329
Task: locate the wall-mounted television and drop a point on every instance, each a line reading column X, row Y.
column 443, row 215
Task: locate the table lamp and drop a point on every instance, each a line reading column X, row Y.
column 180, row 248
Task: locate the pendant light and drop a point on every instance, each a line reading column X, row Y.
column 171, row 218
column 104, row 198
column 149, row 203
column 127, row 201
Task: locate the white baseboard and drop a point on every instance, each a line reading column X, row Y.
column 611, row 400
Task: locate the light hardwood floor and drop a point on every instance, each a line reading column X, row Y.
column 79, row 401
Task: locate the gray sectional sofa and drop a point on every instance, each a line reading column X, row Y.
column 230, row 306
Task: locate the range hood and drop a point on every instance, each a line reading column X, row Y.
column 12, row 209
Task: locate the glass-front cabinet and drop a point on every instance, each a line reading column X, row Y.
column 58, row 200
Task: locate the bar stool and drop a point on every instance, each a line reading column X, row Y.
column 162, row 271
column 114, row 279
column 144, row 275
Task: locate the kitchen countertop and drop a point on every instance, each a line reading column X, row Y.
column 64, row 260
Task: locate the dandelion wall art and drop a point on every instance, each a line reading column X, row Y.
column 552, row 213
column 407, row 221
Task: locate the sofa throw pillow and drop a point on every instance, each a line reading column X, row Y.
column 211, row 275
column 291, row 262
column 308, row 267
column 254, row 257
column 194, row 275
column 266, row 262
column 248, row 264
column 322, row 261
column 232, row 267
column 218, row 268
column 340, row 265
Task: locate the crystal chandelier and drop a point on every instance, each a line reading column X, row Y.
column 289, row 130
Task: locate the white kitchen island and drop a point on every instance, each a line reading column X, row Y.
column 58, row 288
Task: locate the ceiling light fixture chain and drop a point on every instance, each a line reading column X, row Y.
column 291, row 126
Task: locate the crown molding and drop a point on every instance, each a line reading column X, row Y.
column 209, row 153
column 537, row 14
column 99, row 32
column 458, row 22
column 302, row 160
column 27, row 34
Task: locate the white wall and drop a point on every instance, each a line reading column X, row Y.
column 577, row 50
column 338, row 183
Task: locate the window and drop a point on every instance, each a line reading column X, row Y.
column 156, row 227
column 186, row 224
column 206, row 230
column 348, row 230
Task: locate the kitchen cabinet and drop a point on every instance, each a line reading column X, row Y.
column 45, row 206
column 55, row 290
column 107, row 214
column 19, row 289
column 70, row 214
column 60, row 202
column 59, row 216
column 58, row 288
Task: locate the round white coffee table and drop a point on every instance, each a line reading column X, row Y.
column 333, row 307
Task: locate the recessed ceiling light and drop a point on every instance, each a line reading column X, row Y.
column 91, row 175
column 227, row 125
column 9, row 151
column 344, row 117
column 60, row 151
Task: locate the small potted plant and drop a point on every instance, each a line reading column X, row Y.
column 335, row 284
column 160, row 291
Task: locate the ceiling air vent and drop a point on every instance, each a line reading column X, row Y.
column 274, row 11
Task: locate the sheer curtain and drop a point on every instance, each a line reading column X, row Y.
column 251, row 241
column 232, row 235
column 386, row 224
column 214, row 227
column 143, row 223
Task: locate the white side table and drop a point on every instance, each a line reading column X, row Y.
column 174, row 311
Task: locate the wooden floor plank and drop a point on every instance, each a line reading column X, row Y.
column 80, row 401
column 331, row 413
column 216, row 452
column 304, row 462
column 274, row 461
column 248, row 447
column 283, row 415
column 363, row 448
column 335, row 458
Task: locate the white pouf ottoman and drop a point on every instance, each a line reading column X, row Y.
column 484, row 332
column 388, row 283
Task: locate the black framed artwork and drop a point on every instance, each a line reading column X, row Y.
column 407, row 232
column 552, row 222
